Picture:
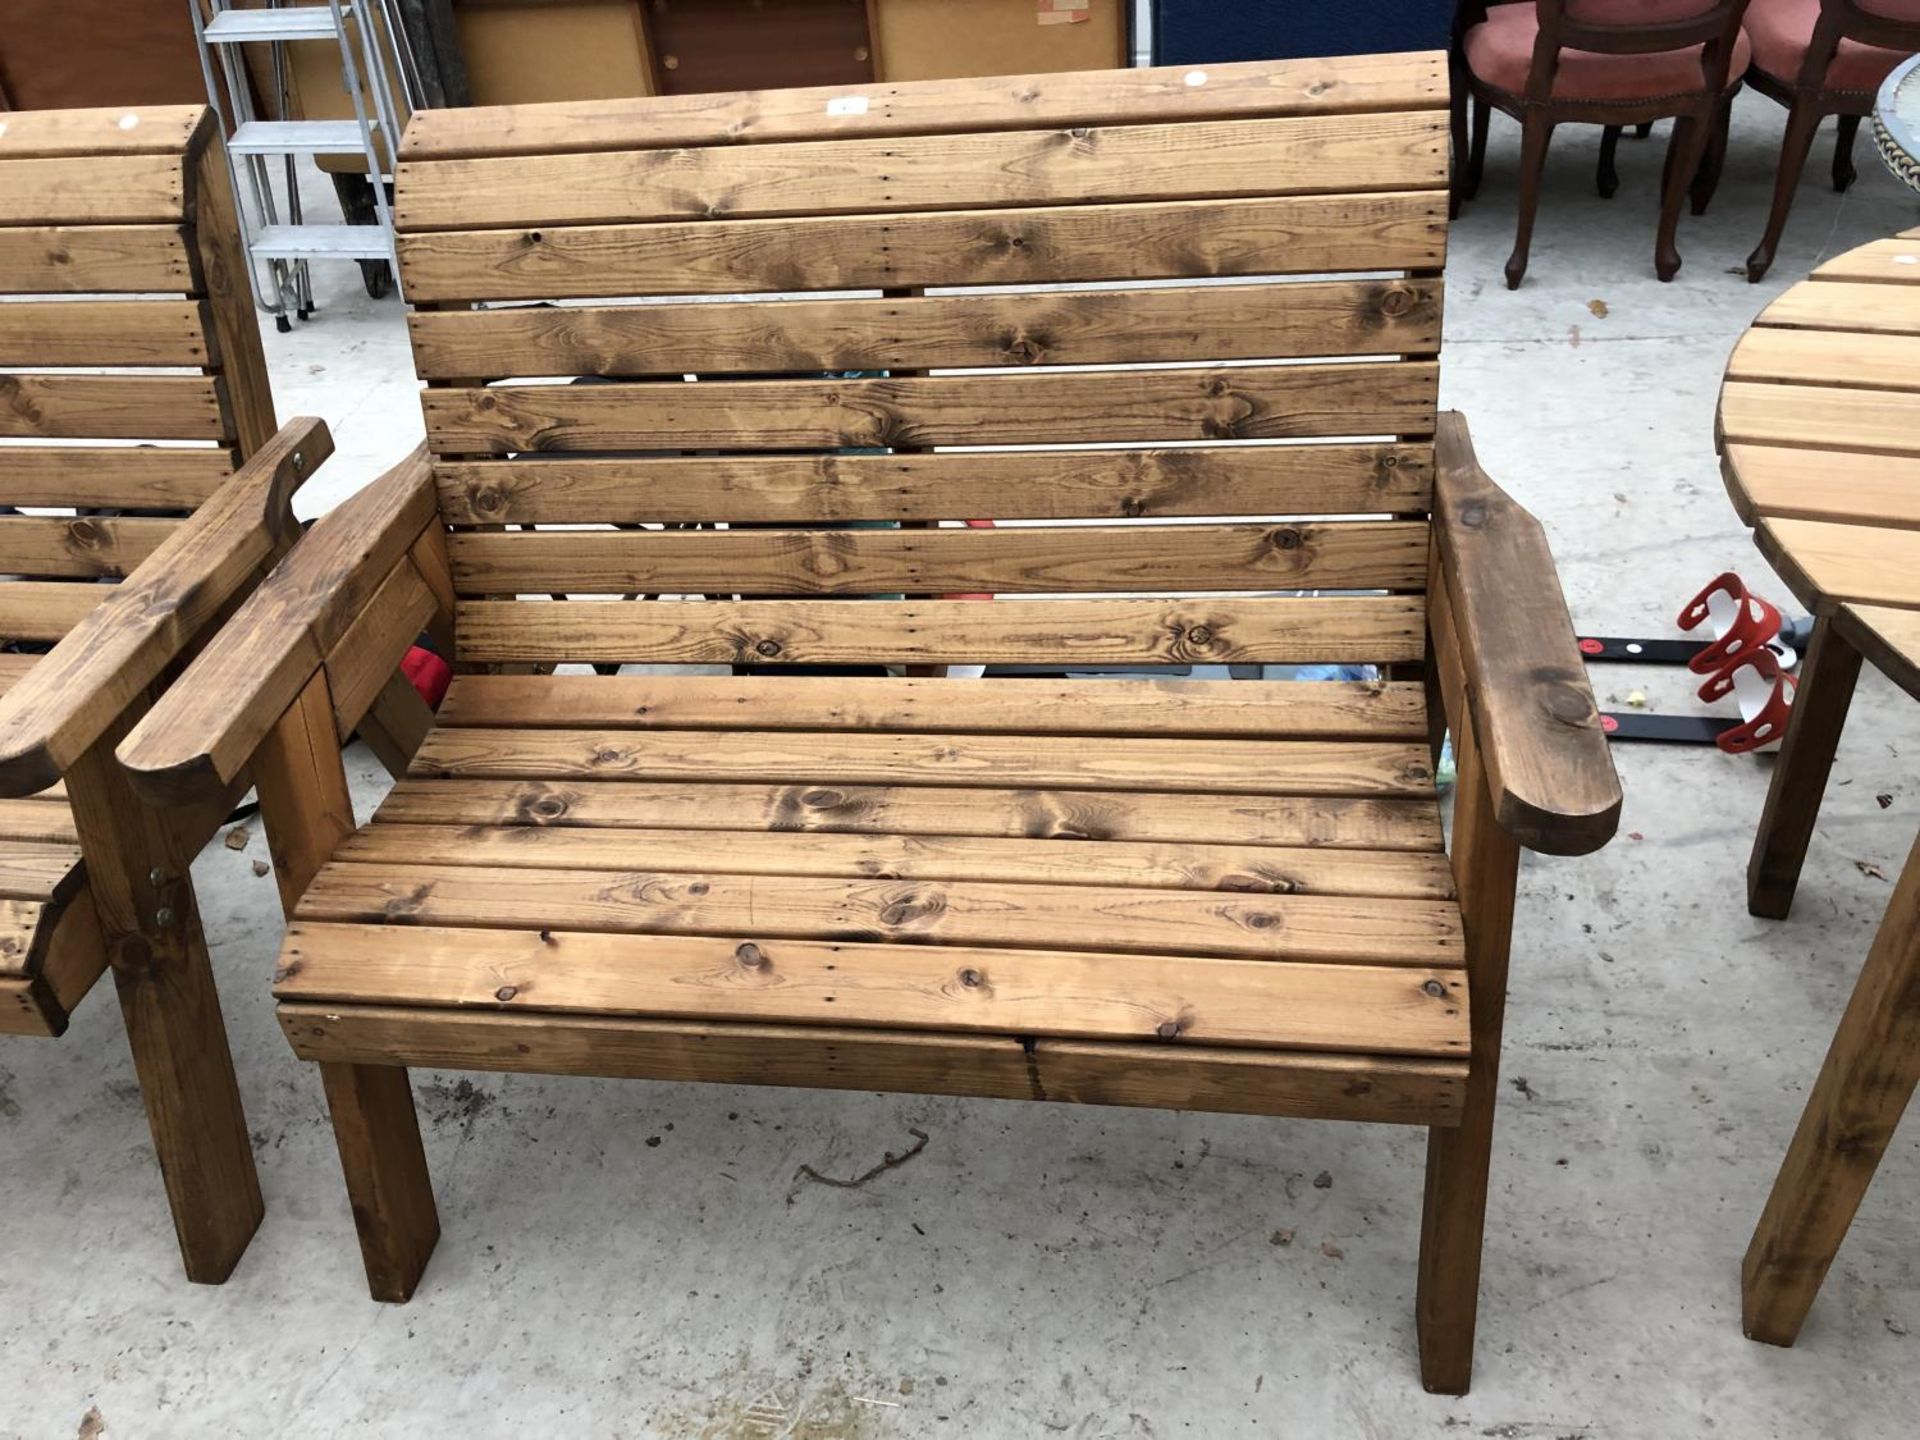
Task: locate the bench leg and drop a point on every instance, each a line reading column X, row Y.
column 138, row 872
column 385, row 1165
column 1827, row 678
column 1863, row 1089
column 1486, row 863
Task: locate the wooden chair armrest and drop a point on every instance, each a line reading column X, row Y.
column 68, row 700
column 1505, row 643
column 204, row 729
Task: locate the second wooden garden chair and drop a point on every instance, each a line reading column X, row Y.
column 1214, row 896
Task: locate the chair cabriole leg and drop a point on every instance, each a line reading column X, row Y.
column 1803, row 118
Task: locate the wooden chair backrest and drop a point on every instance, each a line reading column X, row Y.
column 125, row 316
column 1637, row 27
column 1890, row 24
column 1185, row 211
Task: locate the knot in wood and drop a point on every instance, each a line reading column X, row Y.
column 750, row 956
column 490, row 498
column 1200, row 635
column 1168, row 1030
column 1262, row 920
column 1287, row 538
column 1396, row 300
column 534, row 237
column 698, row 887
column 506, row 993
column 83, row 532
column 1435, row 989
column 972, row 979
column 768, row 648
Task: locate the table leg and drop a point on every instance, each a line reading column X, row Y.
column 1827, row 677
column 1863, row 1089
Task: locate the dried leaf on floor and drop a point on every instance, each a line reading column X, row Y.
column 1599, row 309
column 1870, row 870
column 238, row 837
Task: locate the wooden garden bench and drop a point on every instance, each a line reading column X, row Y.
column 98, row 207
column 1215, row 896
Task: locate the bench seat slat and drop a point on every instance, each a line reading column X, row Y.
column 1240, row 869
column 1072, row 762
column 1335, row 929
column 1272, row 710
column 1068, row 816
column 1387, row 1009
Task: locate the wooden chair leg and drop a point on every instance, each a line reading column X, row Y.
column 378, row 1132
column 1607, row 179
column 1486, row 863
column 1684, row 152
column 1643, row 130
column 1477, row 148
column 1802, row 120
column 1714, row 162
column 138, row 871
column 1827, row 677
column 1863, row 1090
column 1843, row 172
column 1536, row 131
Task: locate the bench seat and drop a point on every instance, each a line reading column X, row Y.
column 1097, row 891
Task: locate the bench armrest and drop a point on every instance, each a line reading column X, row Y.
column 206, row 727
column 1504, row 644
column 68, row 700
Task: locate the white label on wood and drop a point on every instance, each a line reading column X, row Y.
column 847, row 105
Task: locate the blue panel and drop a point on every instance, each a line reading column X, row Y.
column 1188, row 32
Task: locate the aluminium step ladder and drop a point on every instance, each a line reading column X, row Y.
column 281, row 250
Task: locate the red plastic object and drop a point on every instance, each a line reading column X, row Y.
column 1765, row 693
column 1743, row 623
column 428, row 674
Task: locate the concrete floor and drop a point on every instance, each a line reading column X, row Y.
column 626, row 1260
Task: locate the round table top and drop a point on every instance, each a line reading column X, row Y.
column 1819, row 438
column 1896, row 120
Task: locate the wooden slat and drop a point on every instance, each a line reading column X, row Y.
column 77, row 546
column 1823, row 357
column 46, row 609
column 361, row 662
column 1889, row 638
column 1272, row 710
column 1820, row 417
column 101, row 130
column 1336, row 929
column 1247, row 403
column 1382, row 630
column 52, row 873
column 1827, row 564
column 1342, row 555
column 112, row 407
column 1183, row 1077
column 95, row 190
column 1245, row 869
column 25, row 927
column 104, row 332
column 95, row 259
column 1893, row 261
column 1767, row 480
column 1387, row 1010
column 1336, row 85
column 1295, row 235
column 1062, row 815
column 1208, row 322
column 1838, row 305
column 14, row 668
column 1069, row 762
column 1200, row 159
column 1021, row 485
column 41, row 821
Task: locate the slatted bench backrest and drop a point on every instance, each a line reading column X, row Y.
column 125, row 316
column 925, row 227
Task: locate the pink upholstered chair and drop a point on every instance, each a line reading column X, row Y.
column 1599, row 62
column 1821, row 58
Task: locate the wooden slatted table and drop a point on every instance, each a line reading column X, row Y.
column 1819, row 435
